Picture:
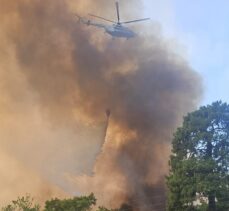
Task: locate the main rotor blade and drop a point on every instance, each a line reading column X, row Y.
column 102, row 18
column 143, row 19
column 117, row 9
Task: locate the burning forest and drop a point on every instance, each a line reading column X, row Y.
column 58, row 78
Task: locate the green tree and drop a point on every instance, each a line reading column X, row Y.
column 123, row 207
column 22, row 204
column 105, row 209
column 199, row 164
column 83, row 203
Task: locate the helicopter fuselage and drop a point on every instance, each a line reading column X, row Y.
column 118, row 30
column 115, row 30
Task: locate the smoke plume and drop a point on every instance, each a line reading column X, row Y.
column 58, row 77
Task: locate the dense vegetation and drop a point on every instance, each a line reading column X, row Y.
column 82, row 203
column 199, row 165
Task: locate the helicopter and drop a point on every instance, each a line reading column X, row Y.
column 117, row 29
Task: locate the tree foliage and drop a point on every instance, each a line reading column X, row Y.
column 22, row 204
column 81, row 203
column 123, row 207
column 199, row 164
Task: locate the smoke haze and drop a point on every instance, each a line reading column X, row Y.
column 57, row 79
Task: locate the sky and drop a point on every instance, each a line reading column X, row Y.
column 201, row 29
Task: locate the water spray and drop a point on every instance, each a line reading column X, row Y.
column 108, row 114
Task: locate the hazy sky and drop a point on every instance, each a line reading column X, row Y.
column 201, row 28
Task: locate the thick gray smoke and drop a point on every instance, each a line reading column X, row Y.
column 60, row 77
